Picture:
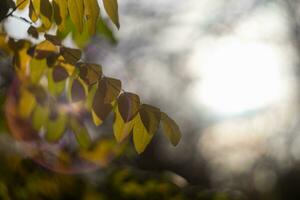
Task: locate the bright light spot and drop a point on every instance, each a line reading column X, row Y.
column 238, row 76
column 15, row 27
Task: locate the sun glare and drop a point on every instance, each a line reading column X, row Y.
column 239, row 76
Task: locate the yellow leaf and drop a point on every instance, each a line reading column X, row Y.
column 75, row 8
column 46, row 13
column 37, row 6
column 3, row 44
column 111, row 8
column 60, row 8
column 33, row 13
column 21, row 60
column 46, row 46
column 97, row 121
column 26, row 103
column 120, row 128
column 68, row 67
column 141, row 137
column 171, row 129
column 91, row 12
column 22, row 4
column 102, row 152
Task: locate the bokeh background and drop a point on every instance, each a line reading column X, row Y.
column 227, row 71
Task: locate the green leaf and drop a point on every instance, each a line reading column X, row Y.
column 105, row 31
column 76, row 10
column 81, row 133
column 91, row 12
column 77, row 91
column 39, row 117
column 64, row 29
column 70, row 55
column 141, row 137
column 37, row 69
column 46, row 13
column 55, row 88
column 128, row 104
column 120, row 128
column 171, row 129
column 81, row 39
column 56, row 127
column 150, row 117
column 111, row 8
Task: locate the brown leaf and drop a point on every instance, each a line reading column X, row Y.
column 128, row 104
column 39, row 93
column 46, row 13
column 59, row 73
column 110, row 88
column 70, row 55
column 33, row 32
column 111, row 8
column 77, row 91
column 51, row 59
column 171, row 129
column 101, row 109
column 90, row 73
column 150, row 117
column 53, row 39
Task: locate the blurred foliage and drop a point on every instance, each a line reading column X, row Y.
column 22, row 179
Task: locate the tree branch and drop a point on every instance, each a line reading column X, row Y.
column 14, row 9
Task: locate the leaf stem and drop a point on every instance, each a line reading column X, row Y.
column 14, row 9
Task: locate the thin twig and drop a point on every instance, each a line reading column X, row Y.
column 21, row 18
column 14, row 9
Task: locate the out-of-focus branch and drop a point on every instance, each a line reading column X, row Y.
column 13, row 10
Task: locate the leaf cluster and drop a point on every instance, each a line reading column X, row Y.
column 86, row 86
column 51, row 72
